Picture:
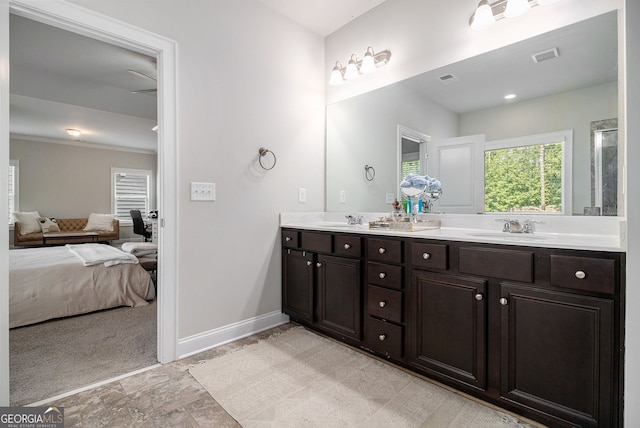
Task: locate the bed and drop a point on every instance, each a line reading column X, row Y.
column 52, row 282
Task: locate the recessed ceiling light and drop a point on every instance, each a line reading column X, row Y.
column 509, row 96
column 74, row 132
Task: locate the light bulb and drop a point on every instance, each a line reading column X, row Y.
column 336, row 76
column 516, row 8
column 368, row 63
column 483, row 18
column 73, row 132
column 352, row 70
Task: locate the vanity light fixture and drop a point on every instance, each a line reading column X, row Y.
column 73, row 132
column 369, row 63
column 488, row 13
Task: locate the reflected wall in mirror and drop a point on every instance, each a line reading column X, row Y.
column 562, row 93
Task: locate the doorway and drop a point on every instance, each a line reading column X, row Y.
column 84, row 22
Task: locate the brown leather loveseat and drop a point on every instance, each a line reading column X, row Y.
column 71, row 232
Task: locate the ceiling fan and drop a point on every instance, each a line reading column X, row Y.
column 146, row 76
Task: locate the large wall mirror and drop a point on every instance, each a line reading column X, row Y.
column 564, row 81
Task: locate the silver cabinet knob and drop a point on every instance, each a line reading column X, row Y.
column 347, row 246
column 382, row 304
column 382, row 337
column 426, row 256
column 318, row 264
column 503, row 301
column 287, row 238
column 479, row 296
column 382, row 250
column 308, row 262
column 382, row 275
column 580, row 274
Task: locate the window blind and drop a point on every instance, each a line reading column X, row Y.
column 131, row 192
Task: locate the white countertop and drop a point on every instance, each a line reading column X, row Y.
column 579, row 233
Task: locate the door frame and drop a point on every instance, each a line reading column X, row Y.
column 92, row 24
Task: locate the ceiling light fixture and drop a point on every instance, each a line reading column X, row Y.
column 369, row 63
column 509, row 96
column 73, row 132
column 487, row 13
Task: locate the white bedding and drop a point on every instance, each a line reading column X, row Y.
column 51, row 282
column 95, row 254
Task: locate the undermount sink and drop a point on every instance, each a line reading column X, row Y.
column 336, row 224
column 508, row 236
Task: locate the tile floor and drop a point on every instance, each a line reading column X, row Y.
column 165, row 396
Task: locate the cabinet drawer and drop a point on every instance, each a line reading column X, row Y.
column 316, row 241
column 290, row 238
column 505, row 264
column 583, row 273
column 348, row 245
column 429, row 255
column 385, row 250
column 384, row 338
column 386, row 275
column 384, row 303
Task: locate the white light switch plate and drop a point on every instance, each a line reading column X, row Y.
column 203, row 191
column 343, row 196
column 302, row 195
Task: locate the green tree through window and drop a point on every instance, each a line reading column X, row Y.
column 524, row 179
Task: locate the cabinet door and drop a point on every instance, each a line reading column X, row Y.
column 449, row 326
column 339, row 302
column 297, row 284
column 557, row 353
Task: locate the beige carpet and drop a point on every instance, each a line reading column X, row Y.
column 61, row 355
column 298, row 379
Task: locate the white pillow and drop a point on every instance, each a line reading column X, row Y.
column 98, row 222
column 28, row 222
column 48, row 225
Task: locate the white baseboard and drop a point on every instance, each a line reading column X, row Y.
column 213, row 338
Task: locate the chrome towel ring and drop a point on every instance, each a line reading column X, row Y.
column 263, row 157
column 369, row 172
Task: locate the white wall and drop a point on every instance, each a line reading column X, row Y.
column 247, row 77
column 632, row 131
column 363, row 131
column 71, row 181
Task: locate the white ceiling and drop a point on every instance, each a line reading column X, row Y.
column 325, row 16
column 62, row 80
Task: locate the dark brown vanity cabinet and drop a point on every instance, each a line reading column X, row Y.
column 557, row 353
column 322, row 282
column 385, row 315
column 449, row 323
column 537, row 331
column 298, row 284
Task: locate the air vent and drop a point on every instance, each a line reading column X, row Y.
column 448, row 78
column 545, row 55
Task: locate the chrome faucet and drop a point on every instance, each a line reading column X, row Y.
column 354, row 220
column 514, row 226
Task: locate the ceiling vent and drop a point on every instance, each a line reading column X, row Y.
column 545, row 55
column 448, row 78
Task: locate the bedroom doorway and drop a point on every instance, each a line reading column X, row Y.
column 69, row 17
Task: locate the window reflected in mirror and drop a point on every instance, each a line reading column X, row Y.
column 527, row 175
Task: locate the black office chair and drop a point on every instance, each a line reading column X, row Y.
column 138, row 225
